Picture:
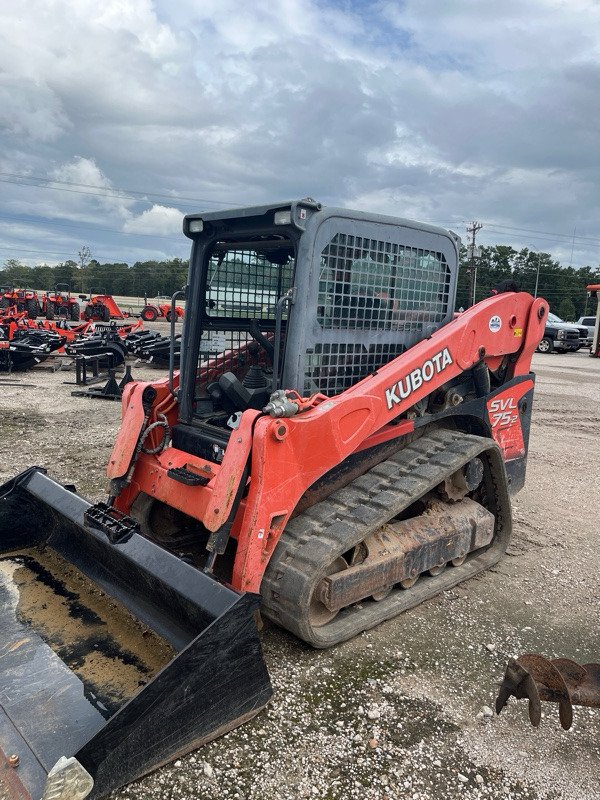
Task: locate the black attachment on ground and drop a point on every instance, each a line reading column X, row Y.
column 27, row 348
column 102, row 343
column 152, row 347
column 111, row 390
column 203, row 676
column 81, row 368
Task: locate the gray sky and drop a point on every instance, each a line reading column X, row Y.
column 126, row 114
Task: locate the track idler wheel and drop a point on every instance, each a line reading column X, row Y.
column 318, row 612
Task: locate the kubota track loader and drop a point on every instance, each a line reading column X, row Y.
column 335, row 444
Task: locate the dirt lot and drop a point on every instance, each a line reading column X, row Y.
column 397, row 713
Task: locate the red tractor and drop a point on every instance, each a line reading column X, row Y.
column 102, row 308
column 152, row 311
column 60, row 303
column 20, row 300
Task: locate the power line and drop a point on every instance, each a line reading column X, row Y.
column 104, row 191
column 546, row 240
column 83, row 226
column 64, row 189
column 496, row 226
column 42, row 252
column 568, row 236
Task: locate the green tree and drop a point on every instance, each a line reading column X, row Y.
column 526, row 267
column 12, row 263
column 566, row 310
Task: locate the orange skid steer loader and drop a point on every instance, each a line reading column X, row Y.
column 336, row 447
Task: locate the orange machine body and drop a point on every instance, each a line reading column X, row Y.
column 287, row 456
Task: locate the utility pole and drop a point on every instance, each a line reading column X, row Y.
column 537, row 275
column 472, row 229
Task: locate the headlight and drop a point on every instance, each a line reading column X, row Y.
column 283, row 217
column 561, row 334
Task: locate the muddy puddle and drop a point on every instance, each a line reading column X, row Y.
column 111, row 651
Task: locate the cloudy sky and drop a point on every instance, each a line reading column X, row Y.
column 117, row 117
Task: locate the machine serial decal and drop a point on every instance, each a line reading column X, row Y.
column 414, row 380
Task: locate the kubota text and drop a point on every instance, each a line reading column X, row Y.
column 415, row 379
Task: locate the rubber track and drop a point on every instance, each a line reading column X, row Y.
column 314, row 539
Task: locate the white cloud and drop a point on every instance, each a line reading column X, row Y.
column 29, row 109
column 159, row 219
column 88, row 190
column 440, row 110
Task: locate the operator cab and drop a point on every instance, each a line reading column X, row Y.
column 297, row 296
column 246, row 280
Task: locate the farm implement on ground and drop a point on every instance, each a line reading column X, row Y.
column 557, row 680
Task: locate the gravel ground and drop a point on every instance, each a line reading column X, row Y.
column 401, row 711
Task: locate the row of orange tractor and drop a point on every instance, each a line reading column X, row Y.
column 60, row 303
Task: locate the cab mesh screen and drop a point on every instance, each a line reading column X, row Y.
column 387, row 294
column 365, row 283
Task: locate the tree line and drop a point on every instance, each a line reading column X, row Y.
column 152, row 278
column 563, row 287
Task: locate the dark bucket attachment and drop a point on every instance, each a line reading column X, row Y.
column 556, row 680
column 115, row 656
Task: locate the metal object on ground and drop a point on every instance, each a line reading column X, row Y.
column 116, row 657
column 152, row 347
column 105, row 343
column 81, row 368
column 21, row 350
column 111, row 389
column 557, row 680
